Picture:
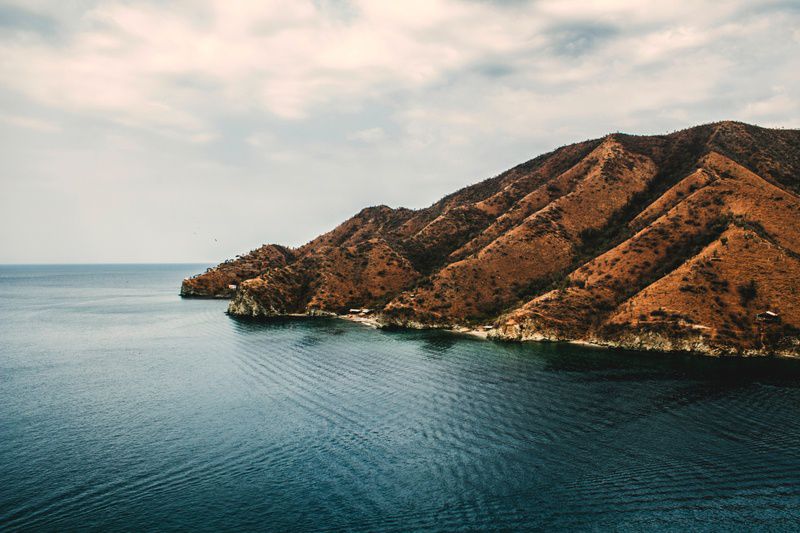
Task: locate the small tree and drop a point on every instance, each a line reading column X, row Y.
column 748, row 292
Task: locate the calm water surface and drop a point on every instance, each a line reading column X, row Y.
column 124, row 407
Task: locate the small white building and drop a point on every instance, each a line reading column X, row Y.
column 769, row 317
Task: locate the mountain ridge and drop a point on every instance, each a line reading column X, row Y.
column 630, row 241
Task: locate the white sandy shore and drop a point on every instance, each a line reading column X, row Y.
column 479, row 333
column 371, row 322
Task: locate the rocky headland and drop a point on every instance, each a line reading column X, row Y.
column 687, row 242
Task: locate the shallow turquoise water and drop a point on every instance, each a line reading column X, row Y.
column 124, row 407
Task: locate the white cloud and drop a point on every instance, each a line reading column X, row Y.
column 260, row 139
column 780, row 104
column 331, row 105
column 30, row 123
column 129, row 62
column 281, row 57
column 369, row 135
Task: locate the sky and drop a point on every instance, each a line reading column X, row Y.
column 191, row 131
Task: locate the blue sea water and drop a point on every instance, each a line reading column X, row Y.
column 124, row 407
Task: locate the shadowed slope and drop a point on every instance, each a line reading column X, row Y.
column 683, row 274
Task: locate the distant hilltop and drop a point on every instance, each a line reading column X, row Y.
column 681, row 242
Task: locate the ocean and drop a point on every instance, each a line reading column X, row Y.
column 124, row 407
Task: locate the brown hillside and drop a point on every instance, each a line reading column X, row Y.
column 216, row 282
column 650, row 281
column 669, row 242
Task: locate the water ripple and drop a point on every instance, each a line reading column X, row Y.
column 125, row 407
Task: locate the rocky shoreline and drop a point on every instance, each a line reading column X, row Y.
column 244, row 306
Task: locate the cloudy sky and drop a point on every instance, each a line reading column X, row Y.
column 138, row 131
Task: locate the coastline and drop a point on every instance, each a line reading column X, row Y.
column 643, row 341
column 483, row 334
column 374, row 323
column 244, row 305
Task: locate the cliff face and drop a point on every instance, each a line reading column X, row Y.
column 672, row 242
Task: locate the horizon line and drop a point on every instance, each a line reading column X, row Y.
column 110, row 263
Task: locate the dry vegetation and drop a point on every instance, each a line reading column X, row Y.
column 672, row 242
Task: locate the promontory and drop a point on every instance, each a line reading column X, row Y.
column 682, row 242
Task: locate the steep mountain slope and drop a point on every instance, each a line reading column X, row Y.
column 671, row 242
column 682, row 277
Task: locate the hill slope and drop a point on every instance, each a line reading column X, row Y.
column 669, row 242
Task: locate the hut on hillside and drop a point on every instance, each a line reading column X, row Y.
column 768, row 317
